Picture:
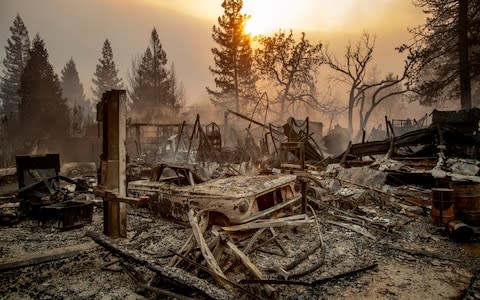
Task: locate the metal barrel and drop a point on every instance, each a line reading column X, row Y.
column 443, row 210
column 459, row 231
column 467, row 201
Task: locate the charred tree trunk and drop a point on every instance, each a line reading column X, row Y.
column 465, row 89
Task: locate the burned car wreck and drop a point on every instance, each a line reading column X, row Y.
column 174, row 190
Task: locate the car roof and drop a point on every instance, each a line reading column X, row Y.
column 240, row 186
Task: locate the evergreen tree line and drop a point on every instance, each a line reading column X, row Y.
column 443, row 58
column 37, row 105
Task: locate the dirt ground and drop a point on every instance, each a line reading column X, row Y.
column 97, row 274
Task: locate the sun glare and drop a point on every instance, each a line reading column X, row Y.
column 270, row 15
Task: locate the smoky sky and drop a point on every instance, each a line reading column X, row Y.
column 77, row 28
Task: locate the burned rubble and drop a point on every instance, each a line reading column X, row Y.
column 181, row 213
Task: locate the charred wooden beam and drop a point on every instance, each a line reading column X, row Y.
column 46, row 256
column 174, row 276
column 313, row 283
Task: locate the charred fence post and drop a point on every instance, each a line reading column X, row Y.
column 111, row 111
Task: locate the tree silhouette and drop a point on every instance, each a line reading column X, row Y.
column 43, row 113
column 352, row 71
column 176, row 88
column 291, row 65
column 234, row 73
column 152, row 85
column 445, row 51
column 106, row 73
column 142, row 82
column 72, row 88
column 16, row 57
column 72, row 91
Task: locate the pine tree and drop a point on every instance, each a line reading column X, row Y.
column 142, row 82
column 153, row 86
column 176, row 90
column 436, row 47
column 72, row 91
column 159, row 72
column 106, row 73
column 43, row 113
column 78, row 120
column 234, row 74
column 72, row 88
column 16, row 57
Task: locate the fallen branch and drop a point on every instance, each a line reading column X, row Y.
column 313, row 283
column 32, row 259
column 346, row 274
column 175, row 276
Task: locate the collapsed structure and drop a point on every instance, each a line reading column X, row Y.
column 270, row 214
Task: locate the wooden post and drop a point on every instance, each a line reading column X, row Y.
column 113, row 176
column 386, row 127
column 111, row 209
column 138, row 138
column 122, row 159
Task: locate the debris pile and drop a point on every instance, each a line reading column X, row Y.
column 191, row 216
column 46, row 196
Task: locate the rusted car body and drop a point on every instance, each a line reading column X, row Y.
column 231, row 200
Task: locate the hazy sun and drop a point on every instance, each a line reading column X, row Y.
column 271, row 15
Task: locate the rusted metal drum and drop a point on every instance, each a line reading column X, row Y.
column 443, row 210
column 459, row 231
column 467, row 201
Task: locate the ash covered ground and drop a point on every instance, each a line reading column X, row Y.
column 447, row 271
